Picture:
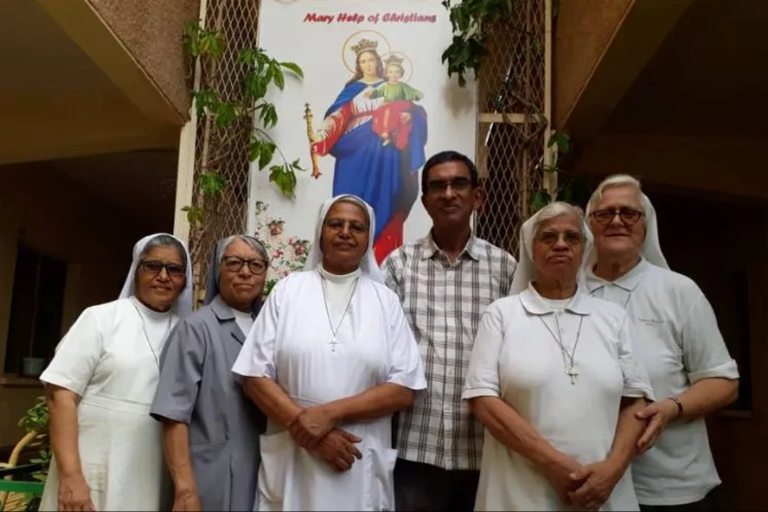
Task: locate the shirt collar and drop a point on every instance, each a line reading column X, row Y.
column 628, row 281
column 221, row 310
column 429, row 248
column 535, row 304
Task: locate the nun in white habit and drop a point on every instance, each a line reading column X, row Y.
column 329, row 360
column 678, row 340
column 553, row 380
column 107, row 450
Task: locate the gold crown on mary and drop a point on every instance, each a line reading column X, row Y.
column 393, row 59
column 365, row 45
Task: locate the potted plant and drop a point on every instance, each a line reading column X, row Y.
column 36, row 420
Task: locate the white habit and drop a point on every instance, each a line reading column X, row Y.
column 517, row 359
column 107, row 360
column 292, row 343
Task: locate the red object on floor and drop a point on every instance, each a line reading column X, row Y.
column 391, row 237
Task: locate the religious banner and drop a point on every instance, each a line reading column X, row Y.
column 374, row 104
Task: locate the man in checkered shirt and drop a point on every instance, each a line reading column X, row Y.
column 444, row 281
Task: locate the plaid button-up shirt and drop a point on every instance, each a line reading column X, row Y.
column 443, row 302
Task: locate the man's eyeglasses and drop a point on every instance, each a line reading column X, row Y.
column 234, row 264
column 550, row 238
column 457, row 184
column 628, row 216
column 156, row 267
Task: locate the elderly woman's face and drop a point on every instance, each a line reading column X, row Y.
column 624, row 232
column 558, row 247
column 161, row 277
column 242, row 274
column 344, row 239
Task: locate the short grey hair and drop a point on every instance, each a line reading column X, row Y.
column 165, row 241
column 616, row 180
column 556, row 209
column 249, row 240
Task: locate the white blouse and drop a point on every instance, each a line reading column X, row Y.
column 517, row 358
column 679, row 343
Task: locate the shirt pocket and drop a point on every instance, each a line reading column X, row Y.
column 276, row 451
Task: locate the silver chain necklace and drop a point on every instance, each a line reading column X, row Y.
column 146, row 337
column 570, row 367
column 328, row 311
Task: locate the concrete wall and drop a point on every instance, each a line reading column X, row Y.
column 55, row 216
column 151, row 31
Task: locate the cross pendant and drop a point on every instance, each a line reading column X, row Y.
column 572, row 372
column 333, row 344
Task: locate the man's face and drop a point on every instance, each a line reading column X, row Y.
column 450, row 197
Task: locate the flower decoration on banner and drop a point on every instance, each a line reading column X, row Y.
column 286, row 253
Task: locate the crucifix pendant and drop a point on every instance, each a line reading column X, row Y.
column 333, row 344
column 572, row 372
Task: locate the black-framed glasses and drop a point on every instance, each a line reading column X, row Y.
column 628, row 216
column 234, row 264
column 156, row 267
column 355, row 226
column 457, row 184
column 571, row 238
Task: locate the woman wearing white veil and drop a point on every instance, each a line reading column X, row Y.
column 678, row 340
column 107, row 451
column 553, row 380
column 329, row 360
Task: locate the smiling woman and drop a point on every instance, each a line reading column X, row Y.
column 101, row 382
column 329, row 360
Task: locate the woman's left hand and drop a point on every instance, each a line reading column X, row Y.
column 599, row 480
column 405, row 117
column 311, row 426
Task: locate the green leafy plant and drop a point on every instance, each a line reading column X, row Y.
column 250, row 107
column 571, row 188
column 470, row 20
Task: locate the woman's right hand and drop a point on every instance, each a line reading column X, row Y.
column 74, row 494
column 559, row 477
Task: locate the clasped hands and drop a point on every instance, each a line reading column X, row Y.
column 314, row 429
column 585, row 487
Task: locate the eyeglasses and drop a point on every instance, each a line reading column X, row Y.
column 234, row 264
column 628, row 216
column 156, row 267
column 457, row 184
column 354, row 226
column 551, row 237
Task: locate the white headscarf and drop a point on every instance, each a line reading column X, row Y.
column 651, row 248
column 526, row 271
column 368, row 265
column 183, row 305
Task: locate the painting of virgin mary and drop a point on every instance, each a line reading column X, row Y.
column 386, row 176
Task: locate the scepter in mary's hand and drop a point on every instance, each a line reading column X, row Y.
column 312, row 139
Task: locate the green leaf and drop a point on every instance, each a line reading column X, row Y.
column 226, row 113
column 255, row 148
column 540, row 200
column 195, row 214
column 562, row 140
column 279, row 78
column 293, row 68
column 267, row 152
column 212, row 183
